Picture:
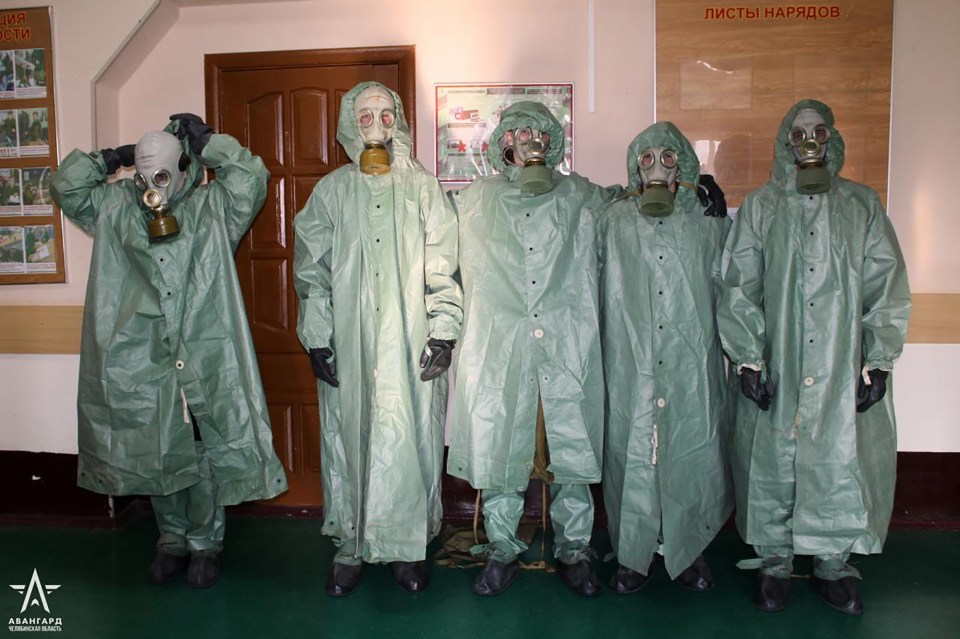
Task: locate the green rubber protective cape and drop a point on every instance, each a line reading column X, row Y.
column 374, row 265
column 165, row 322
column 529, row 269
column 815, row 288
column 668, row 418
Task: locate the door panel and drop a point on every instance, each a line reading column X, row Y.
column 284, row 106
column 310, row 151
column 268, row 231
column 265, row 133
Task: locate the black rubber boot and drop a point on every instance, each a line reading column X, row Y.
column 772, row 593
column 840, row 595
column 166, row 567
column 203, row 571
column 495, row 577
column 697, row 576
column 580, row 578
column 625, row 580
column 343, row 579
column 412, row 576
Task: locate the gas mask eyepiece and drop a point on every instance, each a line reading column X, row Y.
column 159, row 158
column 376, row 113
column 659, row 169
column 808, row 137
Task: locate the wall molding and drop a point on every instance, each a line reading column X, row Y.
column 56, row 329
column 935, row 319
column 40, row 330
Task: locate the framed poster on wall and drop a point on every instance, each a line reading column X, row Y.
column 31, row 227
column 727, row 73
column 467, row 115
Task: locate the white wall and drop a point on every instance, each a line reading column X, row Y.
column 38, row 402
column 474, row 42
column 924, row 139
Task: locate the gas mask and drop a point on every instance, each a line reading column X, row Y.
column 659, row 169
column 160, row 163
column 376, row 114
column 527, row 147
column 808, row 137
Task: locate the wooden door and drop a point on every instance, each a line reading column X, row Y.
column 284, row 106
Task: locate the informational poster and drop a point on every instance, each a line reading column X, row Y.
column 727, row 73
column 11, row 250
column 39, row 249
column 33, row 132
column 9, row 140
column 11, row 199
column 31, row 229
column 24, row 132
column 467, row 115
column 36, row 191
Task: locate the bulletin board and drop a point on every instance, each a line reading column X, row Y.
column 31, row 228
column 727, row 73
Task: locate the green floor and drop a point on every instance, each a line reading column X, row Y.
column 274, row 572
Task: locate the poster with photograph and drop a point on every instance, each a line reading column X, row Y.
column 11, row 249
column 8, row 83
column 36, row 191
column 8, row 134
column 33, row 132
column 10, row 200
column 468, row 114
column 31, row 73
column 40, row 248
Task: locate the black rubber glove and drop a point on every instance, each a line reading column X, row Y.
column 867, row 396
column 120, row 156
column 323, row 367
column 194, row 129
column 758, row 392
column 436, row 358
column 712, row 197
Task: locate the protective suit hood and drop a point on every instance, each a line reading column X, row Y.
column 667, row 134
column 531, row 114
column 784, row 171
column 348, row 133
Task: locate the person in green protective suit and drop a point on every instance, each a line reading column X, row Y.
column 813, row 314
column 380, row 312
column 170, row 402
column 666, row 482
column 529, row 376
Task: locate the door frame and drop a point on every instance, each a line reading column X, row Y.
column 403, row 56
